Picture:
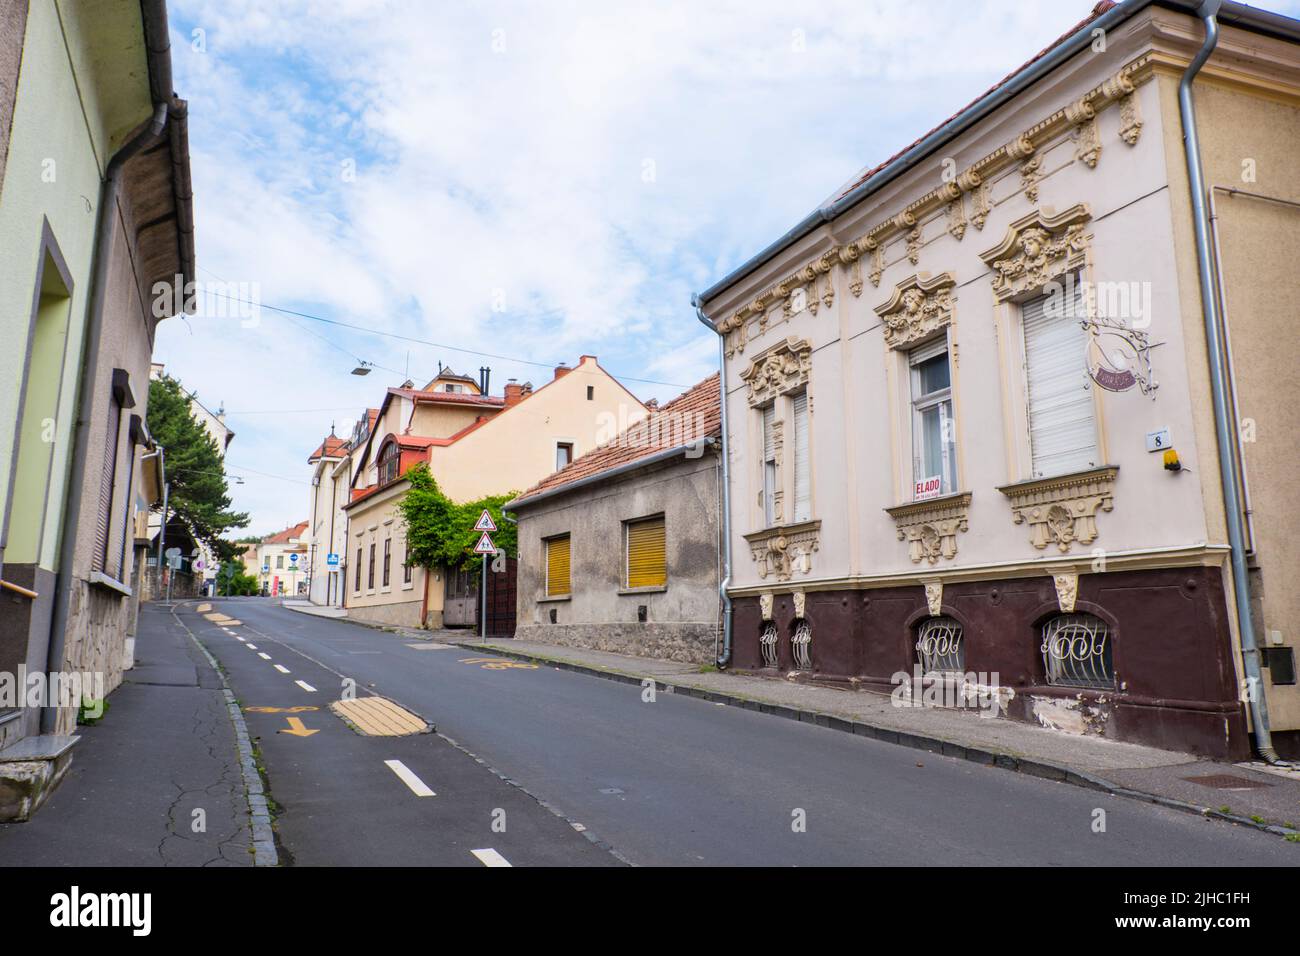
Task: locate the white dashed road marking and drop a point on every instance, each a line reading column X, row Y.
column 305, row 686
column 281, row 668
column 490, row 857
column 418, row 786
column 251, row 647
column 263, row 655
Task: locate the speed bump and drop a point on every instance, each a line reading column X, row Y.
column 379, row 717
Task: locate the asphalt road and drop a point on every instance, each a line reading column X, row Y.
column 676, row 781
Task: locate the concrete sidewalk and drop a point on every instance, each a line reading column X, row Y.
column 306, row 607
column 165, row 749
column 1247, row 794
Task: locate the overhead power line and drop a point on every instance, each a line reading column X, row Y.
column 418, row 341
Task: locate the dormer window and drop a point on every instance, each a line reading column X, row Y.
column 389, row 463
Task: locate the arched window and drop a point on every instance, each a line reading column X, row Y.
column 767, row 644
column 1077, row 652
column 939, row 646
column 389, row 463
column 801, row 645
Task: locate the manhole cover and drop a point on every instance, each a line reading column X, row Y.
column 1225, row 781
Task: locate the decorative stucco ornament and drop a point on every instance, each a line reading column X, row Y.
column 934, row 597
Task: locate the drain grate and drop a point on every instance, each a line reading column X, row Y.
column 1226, row 781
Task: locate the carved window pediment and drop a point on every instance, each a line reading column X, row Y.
column 782, row 368
column 1038, row 249
column 1063, row 509
column 917, row 310
column 782, row 551
column 930, row 527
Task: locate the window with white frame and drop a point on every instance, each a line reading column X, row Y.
column 802, row 477
column 1061, row 413
column 934, row 445
column 770, row 483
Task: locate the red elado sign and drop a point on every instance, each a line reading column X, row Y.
column 927, row 488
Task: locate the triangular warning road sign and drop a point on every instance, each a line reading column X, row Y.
column 485, row 545
column 485, row 522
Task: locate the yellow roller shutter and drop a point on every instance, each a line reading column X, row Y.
column 647, row 566
column 557, row 566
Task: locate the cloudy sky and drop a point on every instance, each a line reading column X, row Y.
column 516, row 184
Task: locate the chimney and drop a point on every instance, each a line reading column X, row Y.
column 562, row 370
column 514, row 393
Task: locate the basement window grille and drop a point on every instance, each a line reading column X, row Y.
column 939, row 646
column 1077, row 652
column 767, row 644
column 801, row 646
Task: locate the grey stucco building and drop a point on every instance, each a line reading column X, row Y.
column 619, row 550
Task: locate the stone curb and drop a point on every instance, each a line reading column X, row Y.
column 948, row 748
column 264, row 852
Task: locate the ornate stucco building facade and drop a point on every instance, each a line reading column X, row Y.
column 970, row 409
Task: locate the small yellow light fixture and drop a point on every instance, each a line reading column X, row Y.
column 1171, row 460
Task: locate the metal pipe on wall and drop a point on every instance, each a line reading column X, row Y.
column 1225, row 427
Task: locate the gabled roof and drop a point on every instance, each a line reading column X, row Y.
column 695, row 414
column 331, row 447
column 283, row 537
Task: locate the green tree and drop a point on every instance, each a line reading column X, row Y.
column 440, row 532
column 234, row 581
column 195, row 469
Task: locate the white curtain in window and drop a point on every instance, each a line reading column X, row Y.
column 1062, row 429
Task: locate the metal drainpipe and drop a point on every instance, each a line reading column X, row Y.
column 109, row 188
column 723, row 659
column 1224, row 428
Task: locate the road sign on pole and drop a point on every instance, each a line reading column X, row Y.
column 484, row 547
column 485, row 522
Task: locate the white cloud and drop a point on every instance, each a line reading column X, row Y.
column 594, row 162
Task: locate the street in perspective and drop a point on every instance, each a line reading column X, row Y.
column 511, row 485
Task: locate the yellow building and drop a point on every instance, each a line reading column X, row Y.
column 475, row 445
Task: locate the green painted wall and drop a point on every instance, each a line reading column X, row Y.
column 82, row 89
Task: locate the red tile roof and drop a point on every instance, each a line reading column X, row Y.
column 1101, row 7
column 696, row 413
column 283, row 537
column 450, row 398
column 331, row 447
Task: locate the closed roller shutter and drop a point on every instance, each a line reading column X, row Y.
column 1062, row 430
column 557, row 566
column 802, row 482
column 107, row 478
column 647, row 565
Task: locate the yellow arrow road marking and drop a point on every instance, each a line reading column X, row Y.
column 296, row 728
